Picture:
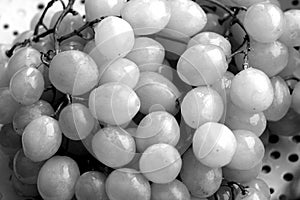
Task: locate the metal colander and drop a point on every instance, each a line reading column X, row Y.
column 282, row 159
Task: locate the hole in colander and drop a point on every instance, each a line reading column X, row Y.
column 282, row 197
column 5, row 26
column 288, row 177
column 275, row 154
column 40, row 6
column 295, row 3
column 82, row 1
column 272, row 190
column 266, row 169
column 296, row 139
column 293, row 158
column 273, row 139
column 15, row 33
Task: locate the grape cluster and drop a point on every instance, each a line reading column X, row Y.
column 149, row 99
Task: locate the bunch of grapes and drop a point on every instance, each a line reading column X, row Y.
column 149, row 99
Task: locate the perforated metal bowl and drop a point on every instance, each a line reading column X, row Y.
column 281, row 162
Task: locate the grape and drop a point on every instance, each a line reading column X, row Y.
column 71, row 45
column 10, row 141
column 134, row 163
column 27, row 85
column 41, row 138
column 157, row 127
column 292, row 68
column 23, row 189
column 157, row 93
column 286, row 126
column 23, row 36
column 196, row 198
column 148, row 16
column 57, row 178
column 270, row 58
column 252, row 90
column 114, row 103
column 26, row 114
column 186, row 137
column 101, row 8
column 187, row 19
column 78, row 75
column 261, row 186
column 242, row 176
column 120, row 70
column 25, row 170
column 147, row 53
column 113, row 146
column 264, row 22
column 202, row 181
column 114, row 37
column 8, row 106
column 127, row 184
column 160, row 163
column 249, row 152
column 249, row 3
column 76, row 121
column 200, row 105
column 252, row 194
column 4, row 81
column 214, row 144
column 166, row 71
column 207, row 38
column 202, row 64
column 174, row 190
column 281, row 102
column 213, row 24
column 296, row 98
column 26, row 56
column 47, row 19
column 290, row 35
column 237, row 118
column 91, row 186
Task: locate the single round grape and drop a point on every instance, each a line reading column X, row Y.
column 293, row 66
column 157, row 93
column 202, row 181
column 8, row 106
column 57, row 178
column 281, row 102
column 127, row 184
column 23, row 189
column 121, row 70
column 26, row 114
column 249, row 152
column 207, row 38
column 113, row 146
column 264, row 22
column 160, row 163
column 296, row 98
column 101, row 8
column 242, row 176
column 114, row 37
column 174, row 190
column 200, row 105
column 26, row 56
column 214, row 144
column 289, row 125
column 213, row 24
column 252, row 90
column 157, row 127
column 4, row 80
column 76, row 121
column 261, row 186
column 10, row 141
column 187, row 19
column 114, row 103
column 26, row 170
column 41, row 138
column 91, row 186
column 202, row 64
column 148, row 16
column 270, row 58
column 147, row 53
column 78, row 75
column 291, row 30
column 237, row 118
column 27, row 85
